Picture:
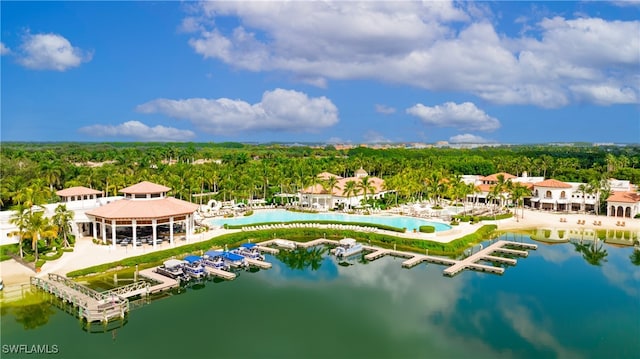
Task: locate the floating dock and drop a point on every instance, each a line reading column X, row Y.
column 164, row 283
column 258, row 263
column 317, row 242
column 220, row 273
column 455, row 266
column 486, row 255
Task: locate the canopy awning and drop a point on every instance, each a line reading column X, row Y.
column 213, row 254
column 248, row 245
column 171, row 263
column 232, row 256
column 192, row 259
column 347, row 241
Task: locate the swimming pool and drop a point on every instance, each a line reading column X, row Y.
column 280, row 215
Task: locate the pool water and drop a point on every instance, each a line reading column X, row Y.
column 279, row 215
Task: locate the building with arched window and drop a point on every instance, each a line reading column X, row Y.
column 623, row 204
column 551, row 195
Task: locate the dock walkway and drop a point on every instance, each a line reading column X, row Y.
column 164, row 282
column 455, row 266
column 91, row 304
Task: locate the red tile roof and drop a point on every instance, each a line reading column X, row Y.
column 626, row 197
column 376, row 183
column 144, row 209
column 494, row 177
column 77, row 191
column 327, row 175
column 145, row 187
column 552, row 183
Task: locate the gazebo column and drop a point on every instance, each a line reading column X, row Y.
column 134, row 232
column 95, row 228
column 187, row 228
column 171, row 230
column 113, row 233
column 103, row 227
column 154, row 226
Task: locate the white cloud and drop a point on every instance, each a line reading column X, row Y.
column 465, row 116
column 4, row 50
column 374, row 137
column 337, row 140
column 422, row 44
column 139, row 131
column 386, row 110
column 50, row 52
column 468, row 138
column 281, row 110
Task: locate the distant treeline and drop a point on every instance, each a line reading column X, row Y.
column 32, row 172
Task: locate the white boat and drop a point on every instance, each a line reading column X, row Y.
column 193, row 267
column 283, row 243
column 172, row 269
column 249, row 250
column 215, row 259
column 347, row 247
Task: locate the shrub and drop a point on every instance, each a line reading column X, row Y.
column 454, row 223
column 29, row 257
column 40, row 262
column 427, row 229
column 248, row 213
column 67, row 249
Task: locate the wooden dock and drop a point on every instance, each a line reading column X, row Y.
column 269, row 250
column 486, row 255
column 91, row 305
column 258, row 263
column 164, row 283
column 317, row 242
column 419, row 258
column 455, row 266
column 221, row 273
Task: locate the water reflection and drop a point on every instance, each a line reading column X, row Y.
column 301, row 259
column 635, row 257
column 35, row 313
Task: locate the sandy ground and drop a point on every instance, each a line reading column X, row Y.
column 87, row 254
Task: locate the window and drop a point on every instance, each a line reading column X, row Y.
column 547, row 195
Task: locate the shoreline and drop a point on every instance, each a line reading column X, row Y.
column 87, row 254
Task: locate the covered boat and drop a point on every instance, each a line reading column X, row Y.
column 215, row 259
column 249, row 250
column 172, row 268
column 193, row 267
column 347, row 247
column 234, row 260
column 283, row 243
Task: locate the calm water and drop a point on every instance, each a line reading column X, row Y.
column 409, row 223
column 551, row 304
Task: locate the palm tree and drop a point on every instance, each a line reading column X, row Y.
column 330, row 184
column 350, row 189
column 366, row 186
column 517, row 193
column 39, row 227
column 20, row 219
column 63, row 219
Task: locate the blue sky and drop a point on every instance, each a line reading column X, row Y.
column 301, row 71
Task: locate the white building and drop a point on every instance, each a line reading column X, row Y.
column 318, row 197
column 552, row 194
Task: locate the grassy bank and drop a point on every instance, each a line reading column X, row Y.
column 452, row 248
